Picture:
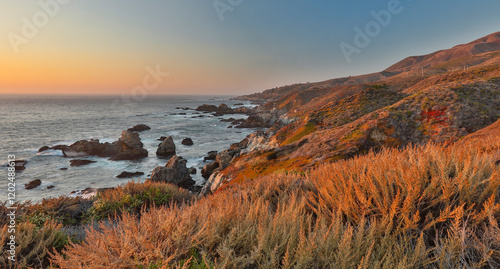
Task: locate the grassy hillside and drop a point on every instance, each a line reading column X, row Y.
column 431, row 206
column 342, row 122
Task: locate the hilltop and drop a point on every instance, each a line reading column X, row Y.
column 475, row 53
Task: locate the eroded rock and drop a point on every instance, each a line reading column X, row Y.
column 166, row 149
column 174, row 172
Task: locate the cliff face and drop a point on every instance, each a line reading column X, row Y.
column 317, row 125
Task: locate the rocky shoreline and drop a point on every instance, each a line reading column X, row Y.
column 129, row 147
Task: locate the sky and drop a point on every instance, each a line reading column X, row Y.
column 224, row 47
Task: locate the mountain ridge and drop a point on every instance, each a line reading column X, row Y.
column 466, row 55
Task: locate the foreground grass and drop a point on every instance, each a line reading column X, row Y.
column 432, row 206
column 53, row 224
column 422, row 207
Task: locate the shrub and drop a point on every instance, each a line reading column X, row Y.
column 65, row 210
column 32, row 244
column 134, row 196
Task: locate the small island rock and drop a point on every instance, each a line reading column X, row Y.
column 33, row 184
column 139, row 128
column 175, row 172
column 187, row 141
column 166, row 149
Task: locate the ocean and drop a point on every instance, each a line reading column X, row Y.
column 30, row 122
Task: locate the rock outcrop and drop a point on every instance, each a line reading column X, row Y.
column 79, row 162
column 225, row 157
column 166, row 149
column 139, row 128
column 18, row 164
column 44, row 148
column 213, row 183
column 220, row 110
column 126, row 174
column 33, row 184
column 209, row 169
column 187, row 142
column 174, row 172
column 128, row 147
column 211, row 155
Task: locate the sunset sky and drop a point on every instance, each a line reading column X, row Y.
column 105, row 47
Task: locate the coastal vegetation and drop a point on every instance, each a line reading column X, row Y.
column 431, row 206
column 387, row 170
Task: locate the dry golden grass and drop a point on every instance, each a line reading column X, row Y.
column 434, row 206
column 32, row 244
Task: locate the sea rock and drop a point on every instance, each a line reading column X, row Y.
column 44, row 148
column 166, row 149
column 129, row 174
column 130, row 147
column 192, row 170
column 208, row 169
column 222, row 109
column 187, row 141
column 78, row 162
column 33, row 184
column 162, row 138
column 59, row 147
column 211, row 156
column 18, row 164
column 175, row 172
column 209, row 108
column 228, row 120
column 50, row 187
column 63, row 169
column 139, row 128
column 131, row 139
column 90, row 147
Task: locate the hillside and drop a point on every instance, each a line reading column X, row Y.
column 326, row 124
column 468, row 55
column 462, row 53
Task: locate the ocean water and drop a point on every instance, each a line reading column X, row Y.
column 30, row 122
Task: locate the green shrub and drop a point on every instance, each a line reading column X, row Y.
column 133, row 197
